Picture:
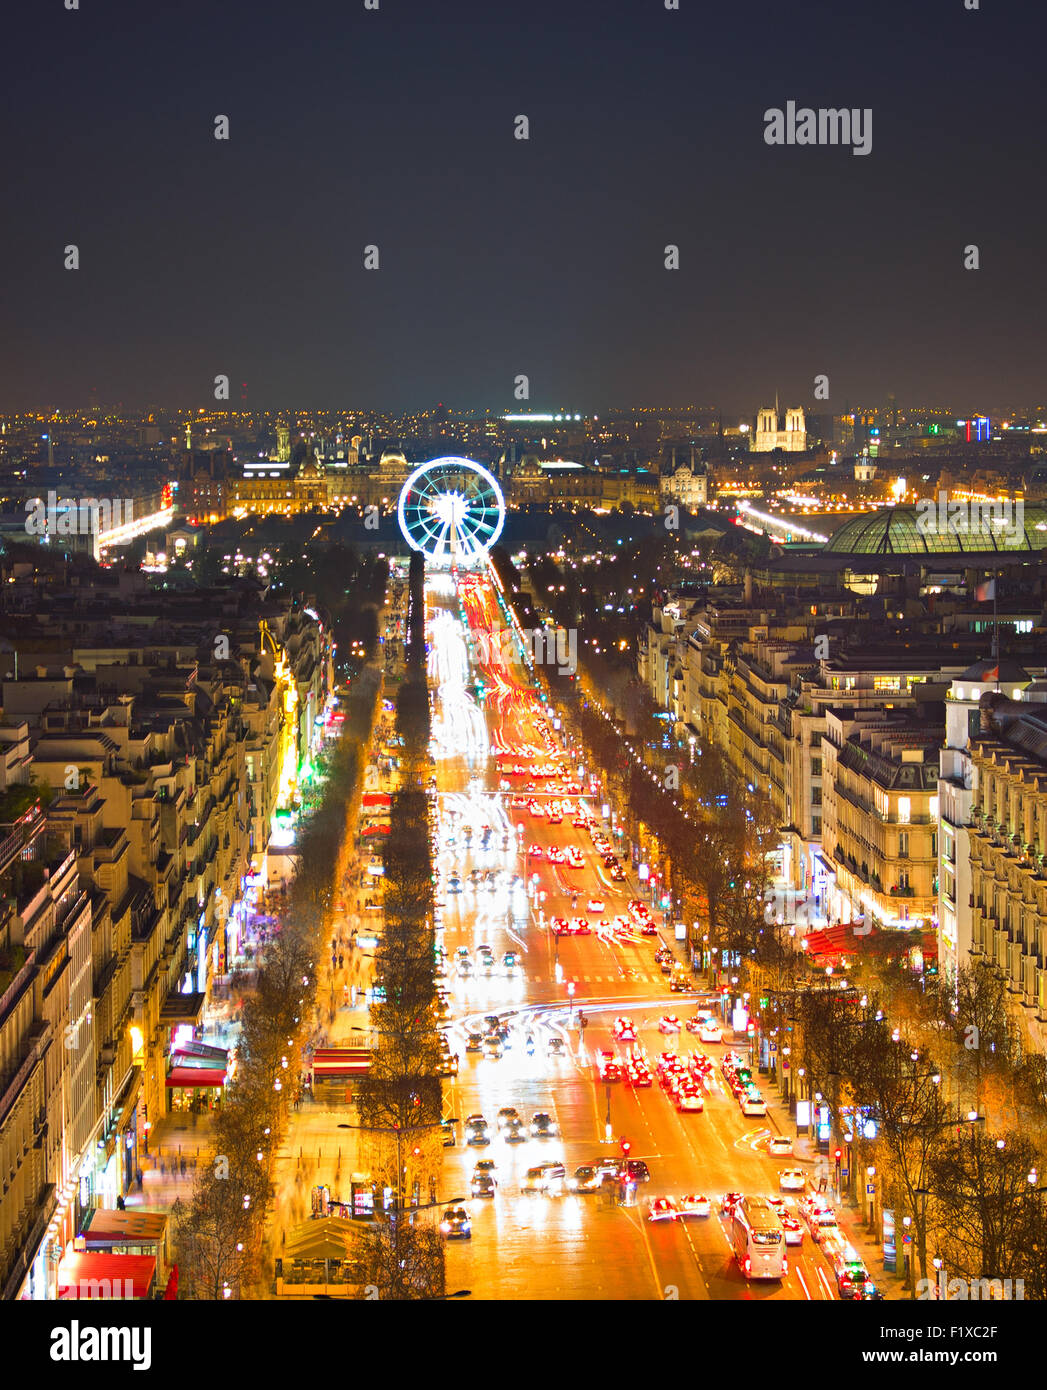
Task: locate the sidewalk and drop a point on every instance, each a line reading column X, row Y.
column 314, row 1150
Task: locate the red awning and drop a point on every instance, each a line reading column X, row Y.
column 337, row 1062
column 106, row 1276
column 103, row 1228
column 195, row 1077
column 376, row 799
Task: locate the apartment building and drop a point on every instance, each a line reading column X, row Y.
column 1008, row 848
column 752, row 678
column 956, row 797
column 122, row 884
column 880, row 815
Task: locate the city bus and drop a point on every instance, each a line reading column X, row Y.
column 759, row 1239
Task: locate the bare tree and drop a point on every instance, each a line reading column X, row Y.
column 404, row 1260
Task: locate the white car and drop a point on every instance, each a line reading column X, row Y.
column 780, row 1146
column 753, row 1105
column 792, row 1179
column 824, row 1227
column 694, row 1205
column 709, row 1031
column 669, row 1023
column 596, row 905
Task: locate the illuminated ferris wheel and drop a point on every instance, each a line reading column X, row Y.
column 452, row 510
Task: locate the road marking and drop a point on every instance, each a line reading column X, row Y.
column 803, row 1283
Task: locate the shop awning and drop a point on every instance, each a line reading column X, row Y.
column 106, row 1276
column 103, row 1228
column 333, row 1063
column 194, row 1054
column 182, row 1008
column 195, row 1077
column 376, row 799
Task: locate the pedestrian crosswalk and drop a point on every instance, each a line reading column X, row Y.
column 631, row 978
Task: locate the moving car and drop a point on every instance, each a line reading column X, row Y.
column 689, row 1100
column 543, row 1126
column 662, row 1209
column 668, row 1023
column 595, row 905
column 851, row 1274
column 793, row 1229
column 636, row 1170
column 554, row 1045
column 780, row 1146
column 752, row 1104
column 694, row 1205
column 447, row 1130
column 483, row 1185
column 506, row 1115
column 624, row 1029
column 729, row 1201
column 514, row 1132
column 477, row 1132
column 584, row 1179
column 545, row 1177
column 456, row 1224
column 792, row 1179
column 710, row 1031
column 493, row 1048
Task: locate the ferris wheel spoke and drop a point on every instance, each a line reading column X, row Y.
column 451, row 507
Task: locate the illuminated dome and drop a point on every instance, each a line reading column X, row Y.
column 927, row 530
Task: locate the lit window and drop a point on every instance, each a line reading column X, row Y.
column 932, row 806
column 904, row 810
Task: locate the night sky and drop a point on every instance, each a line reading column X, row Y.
column 500, row 256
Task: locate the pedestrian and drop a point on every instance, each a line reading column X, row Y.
column 182, row 1166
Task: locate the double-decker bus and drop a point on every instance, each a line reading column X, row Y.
column 759, row 1239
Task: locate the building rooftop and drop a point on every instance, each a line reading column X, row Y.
column 904, row 531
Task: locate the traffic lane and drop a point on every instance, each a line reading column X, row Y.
column 704, row 1153
column 559, row 1249
column 671, row 1245
column 729, row 1154
column 581, row 1254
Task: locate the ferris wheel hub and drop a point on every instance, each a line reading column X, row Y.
column 451, row 509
